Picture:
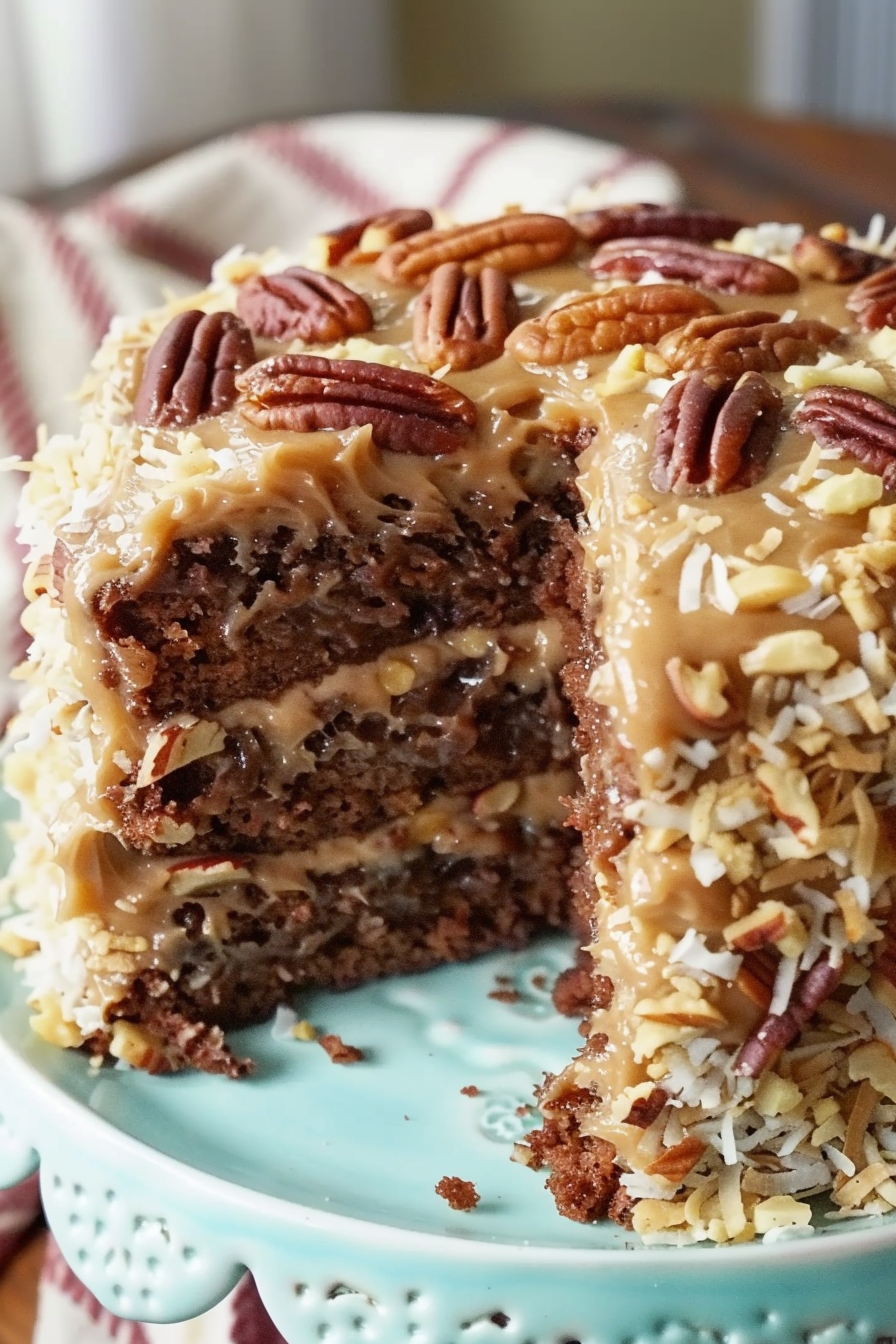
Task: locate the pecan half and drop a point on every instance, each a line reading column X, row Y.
column 304, row 304
column 595, row 324
column 858, row 424
column 190, row 371
column 733, row 343
column 511, row 243
column 714, row 435
column 874, row 300
column 463, row 320
column 645, row 220
column 681, row 259
column 776, row 1031
column 820, row 258
column 408, row 412
column 364, row 239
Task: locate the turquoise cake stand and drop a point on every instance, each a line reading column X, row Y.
column 320, row 1180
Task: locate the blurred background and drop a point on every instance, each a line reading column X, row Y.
column 88, row 86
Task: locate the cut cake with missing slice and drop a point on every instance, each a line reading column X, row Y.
column 302, row 593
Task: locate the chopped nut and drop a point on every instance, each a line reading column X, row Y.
column 650, row 1037
column 858, row 375
column 14, row 945
column 789, row 797
column 304, row 1031
column 771, row 924
column 776, row 1096
column 138, row 1047
column 499, row 798
column 847, row 494
column 193, row 875
column 866, row 612
column 674, row 1163
column 767, row 585
column 770, row 541
column 636, row 504
column 657, row 1215
column 875, row 1062
column 684, row 1007
column 49, row 1024
column 882, row 522
column 789, row 652
column 781, row 1211
column 396, row 677
column 176, row 744
column 700, row 690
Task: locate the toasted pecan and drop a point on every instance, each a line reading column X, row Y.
column 511, row 243
column 302, row 303
column 857, row 423
column 648, row 220
column 735, row 343
column 680, row 259
column 363, row 239
column 873, row 300
column 595, row 324
column 190, row 371
column 408, row 412
column 715, row 435
column 463, row 320
column 819, row 258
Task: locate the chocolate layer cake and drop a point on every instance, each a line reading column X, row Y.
column 302, row 594
column 293, row 713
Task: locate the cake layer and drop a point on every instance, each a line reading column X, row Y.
column 220, row 621
column 457, row 714
column 243, row 948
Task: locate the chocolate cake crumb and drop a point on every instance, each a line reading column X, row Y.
column 471, row 1090
column 339, row 1052
column 506, row 995
column 572, row 992
column 460, row 1195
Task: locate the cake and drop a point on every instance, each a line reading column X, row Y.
column 366, row 563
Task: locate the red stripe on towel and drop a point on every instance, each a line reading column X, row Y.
column 473, row 159
column 251, row 1323
column 18, row 422
column 147, row 237
column 324, row 169
column 79, row 275
column 57, row 1273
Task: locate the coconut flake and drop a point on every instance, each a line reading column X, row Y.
column 700, row 753
column 691, row 581
column 838, row 1159
column 724, row 596
column 786, row 975
column 844, row 687
column 706, row 865
column 691, row 951
column 881, row 1019
column 776, row 505
column 284, row 1020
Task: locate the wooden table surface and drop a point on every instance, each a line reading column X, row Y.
column 754, row 166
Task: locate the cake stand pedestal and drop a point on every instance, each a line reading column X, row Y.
column 320, row 1180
